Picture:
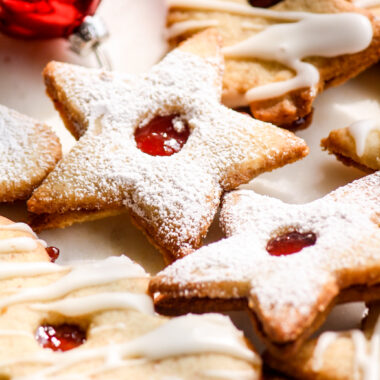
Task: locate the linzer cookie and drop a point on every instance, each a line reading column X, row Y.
column 158, row 145
column 357, row 145
column 279, row 59
column 289, row 263
column 94, row 320
column 29, row 150
column 345, row 355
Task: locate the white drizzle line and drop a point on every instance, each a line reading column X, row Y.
column 187, row 335
column 84, row 275
column 73, row 307
column 240, row 9
column 115, row 326
column 366, row 3
column 19, row 244
column 180, row 28
column 252, row 26
column 322, row 35
column 9, row 270
column 229, row 374
column 367, row 354
column 360, row 130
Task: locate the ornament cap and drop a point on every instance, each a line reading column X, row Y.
column 88, row 37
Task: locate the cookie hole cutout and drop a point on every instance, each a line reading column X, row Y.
column 263, row 3
column 162, row 136
column 62, row 337
column 53, row 253
column 290, row 242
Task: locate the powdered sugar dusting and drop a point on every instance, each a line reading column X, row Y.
column 177, row 195
column 284, row 290
column 28, row 151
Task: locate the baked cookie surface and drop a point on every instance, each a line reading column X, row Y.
column 278, row 59
column 173, row 199
column 357, row 145
column 94, row 320
column 289, row 264
column 345, row 355
column 29, row 150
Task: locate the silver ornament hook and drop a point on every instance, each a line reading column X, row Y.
column 88, row 38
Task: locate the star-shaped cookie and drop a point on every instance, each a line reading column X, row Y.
column 289, row 295
column 344, row 355
column 278, row 59
column 94, row 320
column 173, row 199
column 29, row 150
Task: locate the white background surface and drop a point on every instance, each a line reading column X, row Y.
column 136, row 43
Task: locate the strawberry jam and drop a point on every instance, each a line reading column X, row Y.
column 53, row 253
column 160, row 138
column 290, row 242
column 61, row 337
column 263, row 3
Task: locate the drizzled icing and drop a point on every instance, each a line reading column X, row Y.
column 323, row 35
column 19, row 244
column 103, row 301
column 84, row 275
column 366, row 3
column 188, row 335
column 284, row 290
column 360, row 130
column 366, row 352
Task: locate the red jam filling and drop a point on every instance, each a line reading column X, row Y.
column 263, row 3
column 160, row 138
column 291, row 242
column 61, row 337
column 53, row 253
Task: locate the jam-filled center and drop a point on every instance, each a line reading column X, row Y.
column 53, row 253
column 290, row 242
column 60, row 337
column 162, row 136
column 263, row 3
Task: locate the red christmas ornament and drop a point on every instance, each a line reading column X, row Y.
column 44, row 18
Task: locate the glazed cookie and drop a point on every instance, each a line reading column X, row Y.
column 279, row 59
column 29, row 150
column 94, row 320
column 347, row 355
column 288, row 263
column 158, row 145
column 372, row 5
column 357, row 145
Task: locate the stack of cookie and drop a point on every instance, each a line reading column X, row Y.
column 168, row 148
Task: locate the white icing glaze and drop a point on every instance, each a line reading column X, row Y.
column 103, row 301
column 366, row 3
column 323, row 343
column 367, row 352
column 83, row 275
column 9, row 270
column 114, row 326
column 360, row 130
column 18, row 244
column 187, row 335
column 223, row 374
column 323, row 35
column 180, row 28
